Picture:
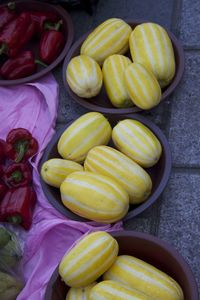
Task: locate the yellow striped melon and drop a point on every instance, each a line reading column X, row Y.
column 112, row 163
column 91, row 129
column 94, row 196
column 144, row 277
column 112, row 290
column 84, row 76
column 113, row 76
column 151, row 46
column 81, row 293
column 55, row 170
column 110, row 37
column 142, row 86
column 137, row 141
column 88, row 259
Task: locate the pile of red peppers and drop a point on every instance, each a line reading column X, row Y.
column 16, row 30
column 17, row 196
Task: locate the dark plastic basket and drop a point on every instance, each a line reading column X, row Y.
column 67, row 29
column 159, row 173
column 101, row 102
column 148, row 248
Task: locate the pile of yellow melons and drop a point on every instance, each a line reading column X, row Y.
column 109, row 179
column 127, row 83
column 123, row 277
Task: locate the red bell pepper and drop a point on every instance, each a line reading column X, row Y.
column 24, row 64
column 3, row 187
column 17, row 175
column 17, row 206
column 7, row 14
column 2, row 150
column 40, row 18
column 1, row 171
column 3, row 190
column 30, row 31
column 21, row 66
column 51, row 43
column 16, row 34
column 21, row 144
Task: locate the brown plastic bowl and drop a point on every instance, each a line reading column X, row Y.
column 67, row 29
column 148, row 248
column 159, row 173
column 101, row 102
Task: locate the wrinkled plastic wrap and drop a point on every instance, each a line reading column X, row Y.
column 12, row 241
column 32, row 106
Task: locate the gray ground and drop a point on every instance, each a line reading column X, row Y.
column 176, row 216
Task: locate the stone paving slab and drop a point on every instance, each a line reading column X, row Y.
column 82, row 23
column 159, row 12
column 179, row 217
column 184, row 135
column 139, row 224
column 190, row 23
column 147, row 221
column 156, row 114
column 175, row 216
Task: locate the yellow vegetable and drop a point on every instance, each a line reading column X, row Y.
column 88, row 259
column 93, row 196
column 84, row 76
column 89, row 130
column 135, row 140
column 55, row 170
column 151, row 46
column 138, row 274
column 112, row 290
column 81, row 293
column 142, row 86
column 110, row 37
column 113, row 74
column 114, row 164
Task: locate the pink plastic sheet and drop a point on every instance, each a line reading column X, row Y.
column 34, row 106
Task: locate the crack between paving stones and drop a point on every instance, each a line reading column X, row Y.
column 191, row 48
column 187, row 169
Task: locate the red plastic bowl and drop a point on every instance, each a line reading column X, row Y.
column 148, row 248
column 101, row 102
column 67, row 29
